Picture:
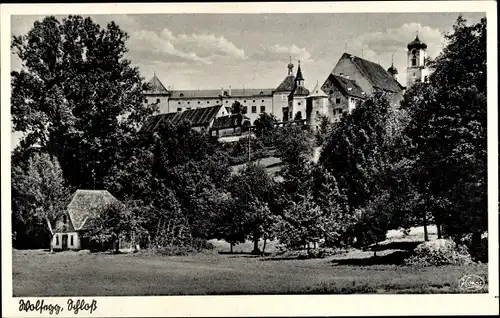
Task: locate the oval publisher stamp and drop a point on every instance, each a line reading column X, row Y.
column 471, row 283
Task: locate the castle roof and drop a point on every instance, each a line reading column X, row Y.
column 348, row 86
column 317, row 92
column 299, row 76
column 376, row 75
column 287, row 84
column 196, row 117
column 155, row 86
column 230, row 121
column 416, row 44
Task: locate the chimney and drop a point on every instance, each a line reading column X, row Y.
column 222, row 91
column 341, row 74
column 229, row 92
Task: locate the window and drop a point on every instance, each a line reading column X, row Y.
column 425, row 79
column 217, row 102
column 71, row 240
column 208, row 102
column 57, row 239
column 146, row 100
column 179, row 109
column 64, row 219
column 226, row 101
column 414, row 58
column 244, row 101
column 337, row 100
column 262, row 109
column 182, row 94
column 188, row 108
column 189, row 103
column 245, row 109
column 262, row 100
column 254, row 100
column 290, row 114
column 298, row 103
column 157, row 100
column 178, row 103
column 198, row 102
column 254, row 109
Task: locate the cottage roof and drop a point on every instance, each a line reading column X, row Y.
column 348, row 86
column 228, row 121
column 197, row 117
column 86, row 204
column 377, row 76
column 155, row 87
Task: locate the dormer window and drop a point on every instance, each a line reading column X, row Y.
column 181, row 94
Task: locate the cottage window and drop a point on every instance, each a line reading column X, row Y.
column 71, row 240
column 337, row 100
column 262, row 109
column 57, row 239
column 146, row 100
column 254, row 109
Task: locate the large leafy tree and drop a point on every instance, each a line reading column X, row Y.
column 39, row 195
column 448, row 133
column 76, row 95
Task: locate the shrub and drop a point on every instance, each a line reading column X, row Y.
column 439, row 252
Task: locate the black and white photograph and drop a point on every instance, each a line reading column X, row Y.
column 218, row 151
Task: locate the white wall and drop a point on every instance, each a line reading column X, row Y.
column 57, row 241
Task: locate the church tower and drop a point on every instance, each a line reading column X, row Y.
column 393, row 70
column 416, row 70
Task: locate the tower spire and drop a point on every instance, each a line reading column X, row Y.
column 392, row 60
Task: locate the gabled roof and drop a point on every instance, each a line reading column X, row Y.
column 375, row 74
column 287, row 84
column 317, row 92
column 197, row 117
column 86, row 204
column 155, row 87
column 348, row 86
column 299, row 91
column 229, row 121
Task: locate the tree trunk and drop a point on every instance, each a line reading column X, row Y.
column 264, row 246
column 231, row 247
column 51, row 237
column 439, row 233
column 375, row 249
column 256, row 250
column 426, row 233
column 117, row 247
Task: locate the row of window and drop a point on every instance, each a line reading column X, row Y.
column 71, row 242
column 208, row 102
column 244, row 109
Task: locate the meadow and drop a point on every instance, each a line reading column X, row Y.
column 72, row 273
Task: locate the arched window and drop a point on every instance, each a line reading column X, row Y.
column 414, row 58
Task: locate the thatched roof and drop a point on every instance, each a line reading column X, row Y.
column 88, row 203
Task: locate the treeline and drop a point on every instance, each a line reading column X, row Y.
column 381, row 167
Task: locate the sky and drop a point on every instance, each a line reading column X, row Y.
column 210, row 51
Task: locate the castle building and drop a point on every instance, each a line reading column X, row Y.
column 417, row 70
column 352, row 80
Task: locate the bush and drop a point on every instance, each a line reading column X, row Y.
column 439, row 252
column 194, row 247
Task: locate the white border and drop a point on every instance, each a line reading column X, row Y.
column 263, row 305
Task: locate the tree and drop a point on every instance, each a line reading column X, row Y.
column 76, row 96
column 448, row 133
column 252, row 189
column 265, row 124
column 324, row 130
column 39, row 192
column 295, row 145
column 236, row 108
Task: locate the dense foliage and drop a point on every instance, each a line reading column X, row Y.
column 382, row 166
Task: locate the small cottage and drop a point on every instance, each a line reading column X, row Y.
column 71, row 224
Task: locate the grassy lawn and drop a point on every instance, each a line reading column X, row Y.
column 38, row 273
